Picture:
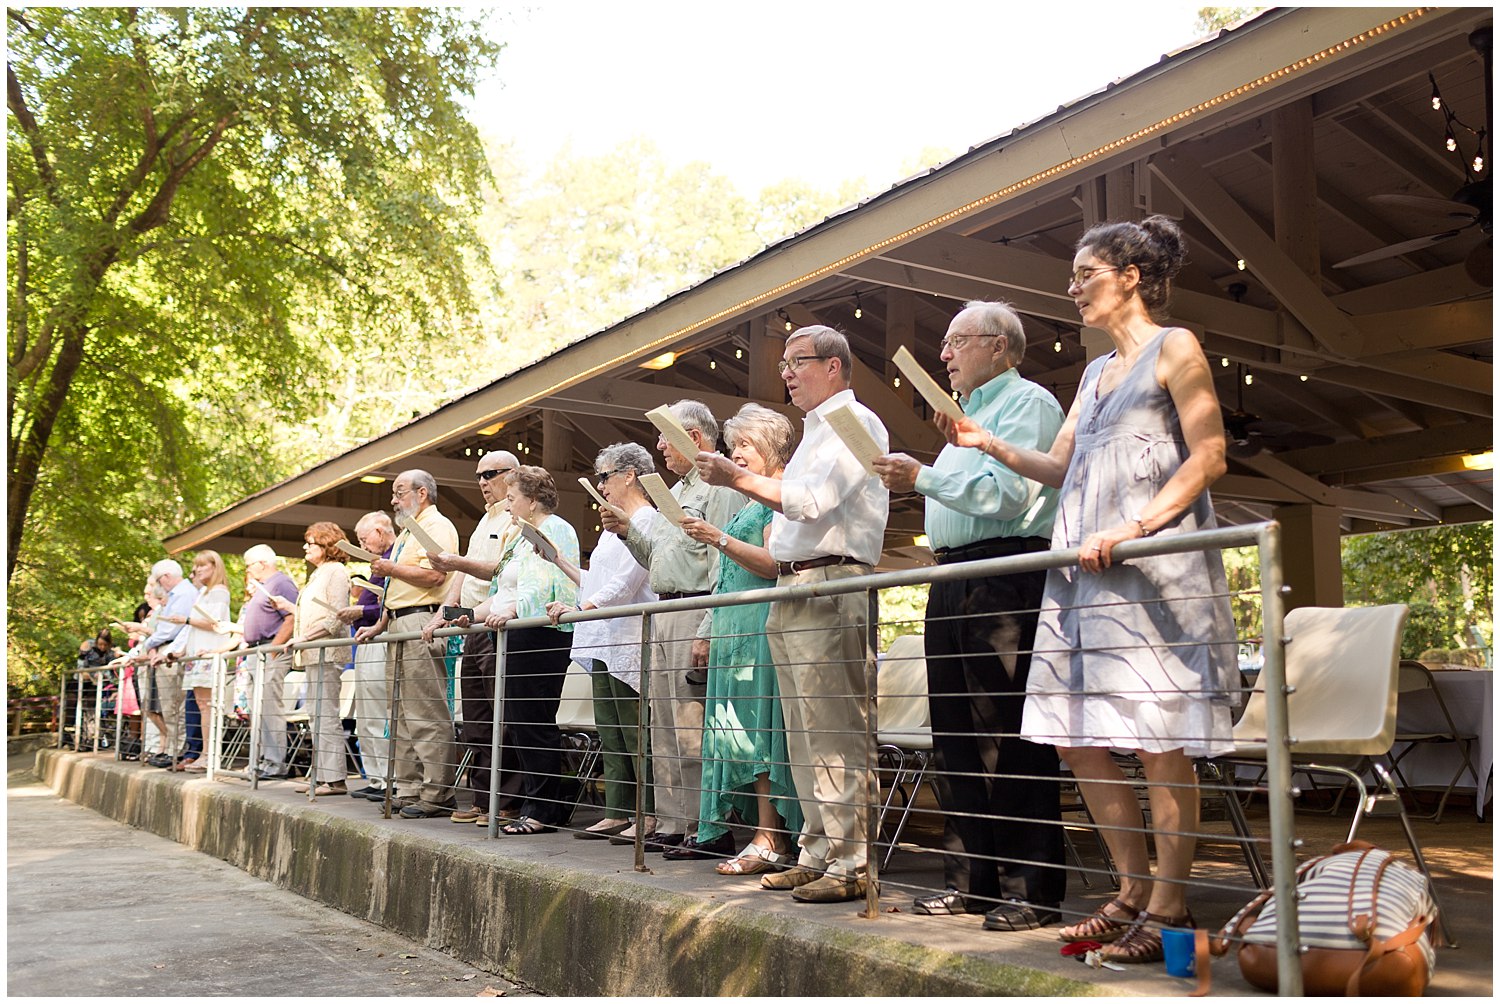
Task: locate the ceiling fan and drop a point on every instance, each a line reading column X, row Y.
column 1469, row 207
column 1249, row 435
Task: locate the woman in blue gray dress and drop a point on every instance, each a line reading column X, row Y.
column 1136, row 656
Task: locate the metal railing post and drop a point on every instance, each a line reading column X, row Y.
column 119, row 716
column 872, row 782
column 62, row 705
column 1279, row 765
column 214, row 739
column 642, row 740
column 390, row 727
column 78, row 713
column 257, row 685
column 98, row 706
column 312, row 731
column 497, row 727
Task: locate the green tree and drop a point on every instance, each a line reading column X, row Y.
column 1211, row 19
column 207, row 209
column 1445, row 573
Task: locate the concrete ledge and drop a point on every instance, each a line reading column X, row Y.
column 569, row 931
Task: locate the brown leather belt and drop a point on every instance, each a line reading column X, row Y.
column 793, row 567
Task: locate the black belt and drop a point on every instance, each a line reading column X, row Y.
column 793, row 567
column 263, row 641
column 680, row 596
column 995, row 547
column 428, row 609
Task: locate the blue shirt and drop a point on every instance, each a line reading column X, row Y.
column 973, row 497
column 179, row 604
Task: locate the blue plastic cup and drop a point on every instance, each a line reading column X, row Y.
column 1177, row 950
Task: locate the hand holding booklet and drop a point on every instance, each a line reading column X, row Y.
column 856, row 437
column 377, row 591
column 939, row 399
column 353, row 551
column 661, row 497
column 538, row 540
column 673, row 431
column 324, row 604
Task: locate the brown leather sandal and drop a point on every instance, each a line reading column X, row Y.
column 1100, row 926
column 1142, row 942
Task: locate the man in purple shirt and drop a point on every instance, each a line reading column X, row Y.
column 376, row 534
column 264, row 624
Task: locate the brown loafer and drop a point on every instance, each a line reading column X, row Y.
column 789, row 879
column 831, row 889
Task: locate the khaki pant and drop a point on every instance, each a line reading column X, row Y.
column 273, row 709
column 676, row 714
column 167, row 679
column 820, row 649
column 323, row 682
column 372, row 707
column 422, row 740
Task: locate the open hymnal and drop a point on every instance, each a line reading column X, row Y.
column 354, row 551
column 673, row 431
column 856, row 437
column 662, row 498
column 377, row 591
column 422, row 537
column 939, row 399
column 604, row 503
column 538, row 540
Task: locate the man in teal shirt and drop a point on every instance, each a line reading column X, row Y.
column 1002, row 839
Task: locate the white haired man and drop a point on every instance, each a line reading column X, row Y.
column 267, row 624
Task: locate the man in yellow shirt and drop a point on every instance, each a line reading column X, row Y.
column 422, row 739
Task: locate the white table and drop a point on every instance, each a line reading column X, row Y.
column 1469, row 695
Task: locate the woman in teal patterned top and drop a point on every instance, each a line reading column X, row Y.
column 744, row 735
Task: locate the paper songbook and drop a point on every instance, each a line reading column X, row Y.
column 377, row 591
column 205, row 615
column 422, row 536
column 604, row 503
column 672, row 431
column 661, row 497
column 848, row 427
column 354, row 551
column 538, row 540
column 324, row 604
column 931, row 391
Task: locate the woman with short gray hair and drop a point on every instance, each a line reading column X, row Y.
column 745, row 764
column 611, row 649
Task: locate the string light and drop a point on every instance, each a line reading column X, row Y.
column 1452, row 127
column 895, row 381
column 859, row 310
column 1450, row 142
column 1478, row 163
column 787, row 318
column 1224, row 361
column 1057, row 345
column 1249, row 379
column 739, row 353
column 712, row 364
column 1240, row 264
column 1302, row 377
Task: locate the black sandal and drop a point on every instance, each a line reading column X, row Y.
column 526, row 826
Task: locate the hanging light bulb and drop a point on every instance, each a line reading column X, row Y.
column 1450, row 142
column 1240, row 264
column 858, row 310
column 1224, row 361
column 786, row 318
column 1057, row 345
column 1302, row 377
column 1437, row 98
column 1249, row 379
column 712, row 364
column 739, row 353
column 1478, row 162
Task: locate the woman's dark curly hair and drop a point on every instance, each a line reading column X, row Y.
column 1155, row 246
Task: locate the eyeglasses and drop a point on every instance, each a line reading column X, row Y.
column 783, row 365
column 1087, row 272
column 956, row 342
column 401, row 493
column 311, row 543
column 602, row 476
column 491, row 475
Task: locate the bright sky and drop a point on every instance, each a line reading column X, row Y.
column 822, row 90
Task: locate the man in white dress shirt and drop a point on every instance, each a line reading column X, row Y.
column 829, row 524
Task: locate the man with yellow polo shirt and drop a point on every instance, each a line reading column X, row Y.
column 422, row 740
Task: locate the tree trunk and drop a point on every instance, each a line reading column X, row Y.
column 26, row 462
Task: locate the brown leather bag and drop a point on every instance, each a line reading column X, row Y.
column 1363, row 919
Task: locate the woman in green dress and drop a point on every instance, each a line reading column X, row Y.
column 745, row 763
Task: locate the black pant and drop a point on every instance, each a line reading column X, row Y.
column 477, row 690
column 535, row 661
column 974, row 627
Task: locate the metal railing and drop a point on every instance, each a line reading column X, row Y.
column 437, row 762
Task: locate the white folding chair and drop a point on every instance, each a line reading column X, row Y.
column 575, row 717
column 904, row 728
column 1341, row 673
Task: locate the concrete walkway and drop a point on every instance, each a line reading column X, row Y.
column 96, row 908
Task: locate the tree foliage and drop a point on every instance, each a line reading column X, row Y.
column 204, row 207
column 1444, row 573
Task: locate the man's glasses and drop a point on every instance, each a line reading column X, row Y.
column 956, row 342
column 491, row 475
column 1087, row 272
column 784, row 365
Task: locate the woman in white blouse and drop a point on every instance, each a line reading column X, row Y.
column 611, row 649
column 210, row 612
column 318, row 604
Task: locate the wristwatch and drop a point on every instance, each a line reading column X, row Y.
column 723, row 541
